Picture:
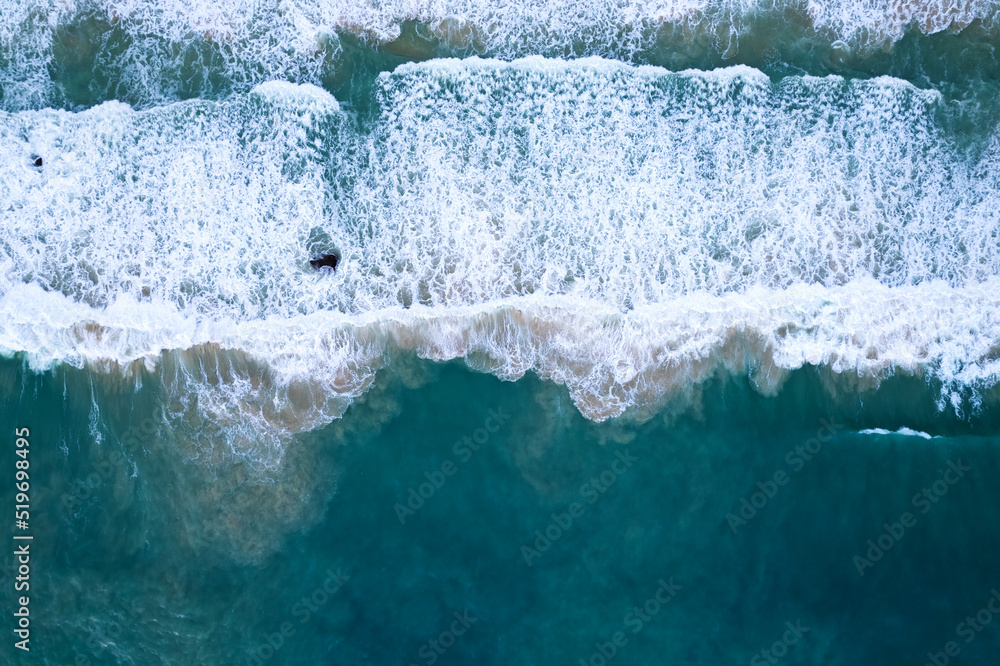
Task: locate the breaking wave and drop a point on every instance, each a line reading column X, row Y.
column 623, row 231
column 82, row 52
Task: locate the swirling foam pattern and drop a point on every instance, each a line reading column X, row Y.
column 624, row 231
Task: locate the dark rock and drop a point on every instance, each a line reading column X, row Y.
column 327, row 260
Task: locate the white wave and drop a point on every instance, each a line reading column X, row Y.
column 882, row 22
column 904, row 432
column 623, row 231
column 312, row 366
column 511, row 20
column 250, row 42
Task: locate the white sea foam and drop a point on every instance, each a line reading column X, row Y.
column 623, row 231
column 872, row 21
column 904, row 432
column 521, row 20
column 249, row 42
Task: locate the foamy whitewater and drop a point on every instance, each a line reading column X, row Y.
column 623, row 231
column 73, row 53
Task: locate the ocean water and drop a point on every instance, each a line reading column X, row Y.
column 662, row 333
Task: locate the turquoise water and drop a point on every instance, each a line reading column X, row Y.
column 211, row 562
column 660, row 334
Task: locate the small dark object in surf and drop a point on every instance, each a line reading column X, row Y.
column 36, row 160
column 326, row 260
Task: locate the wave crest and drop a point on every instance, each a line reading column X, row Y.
column 623, row 231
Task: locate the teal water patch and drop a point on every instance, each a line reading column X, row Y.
column 466, row 520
